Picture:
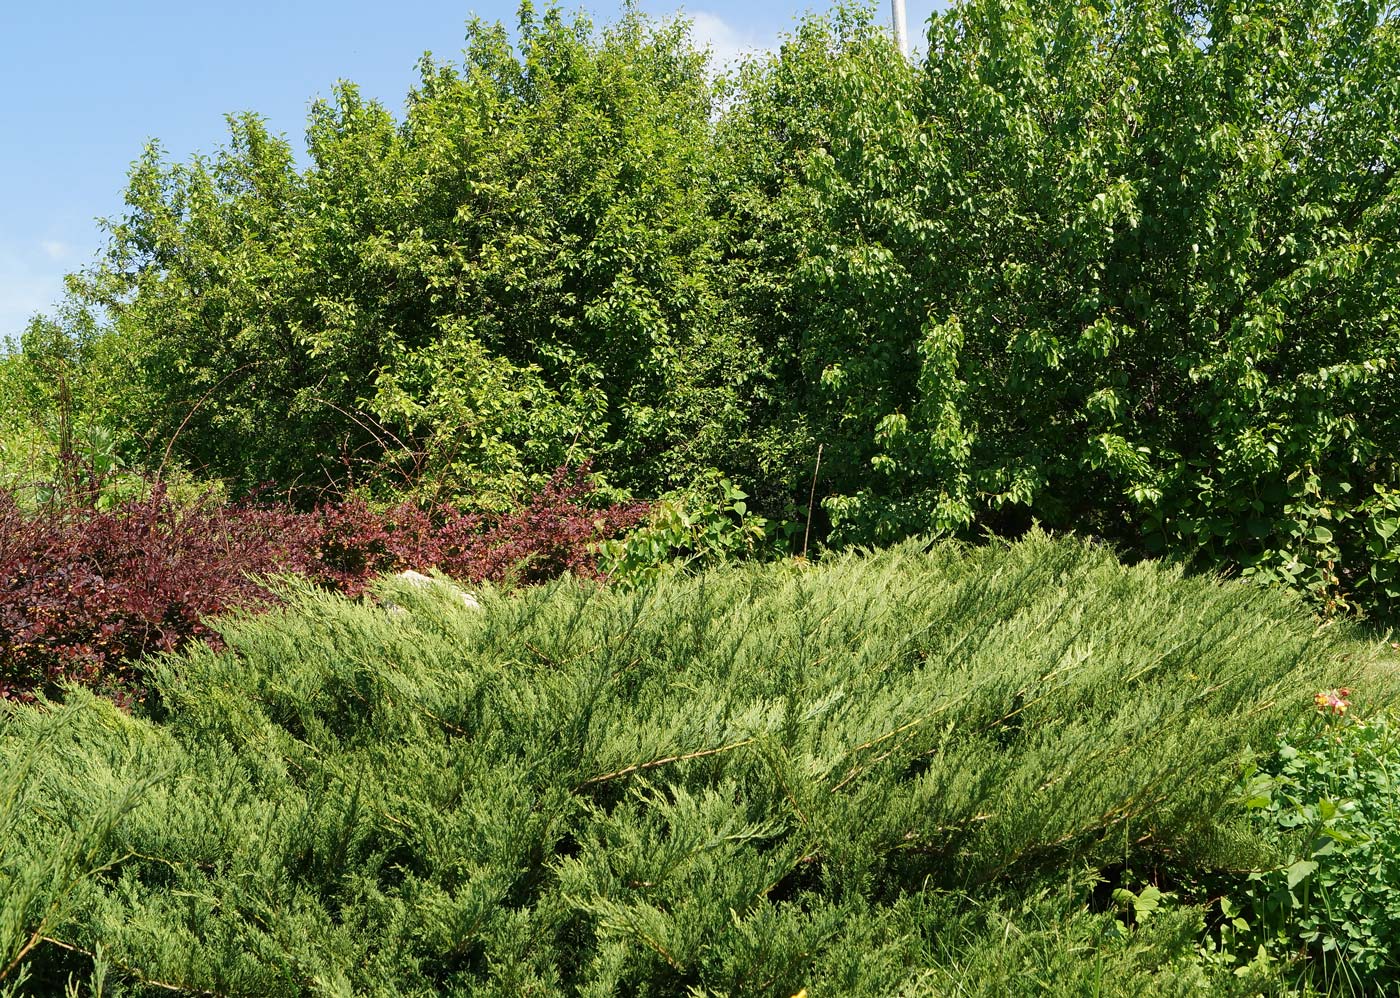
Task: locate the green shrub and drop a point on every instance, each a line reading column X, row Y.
column 514, row 276
column 1331, row 801
column 43, row 867
column 1126, row 268
column 870, row 777
column 706, row 525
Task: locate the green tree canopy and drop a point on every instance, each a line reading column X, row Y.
column 1126, row 267
column 518, row 271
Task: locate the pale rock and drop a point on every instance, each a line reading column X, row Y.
column 419, row 579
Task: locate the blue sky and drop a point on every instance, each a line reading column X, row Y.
column 85, row 84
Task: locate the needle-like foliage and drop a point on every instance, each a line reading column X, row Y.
column 872, row 777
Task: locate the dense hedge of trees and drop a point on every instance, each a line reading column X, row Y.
column 1126, row 267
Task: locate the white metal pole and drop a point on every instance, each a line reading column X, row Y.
column 901, row 31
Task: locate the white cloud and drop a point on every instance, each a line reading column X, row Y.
column 727, row 43
column 55, row 249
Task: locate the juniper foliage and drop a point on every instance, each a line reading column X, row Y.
column 884, row 775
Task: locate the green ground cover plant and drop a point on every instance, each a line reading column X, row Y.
column 898, row 772
column 1330, row 801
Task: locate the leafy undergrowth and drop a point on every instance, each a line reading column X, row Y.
column 1330, row 801
column 84, row 592
column 894, row 773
